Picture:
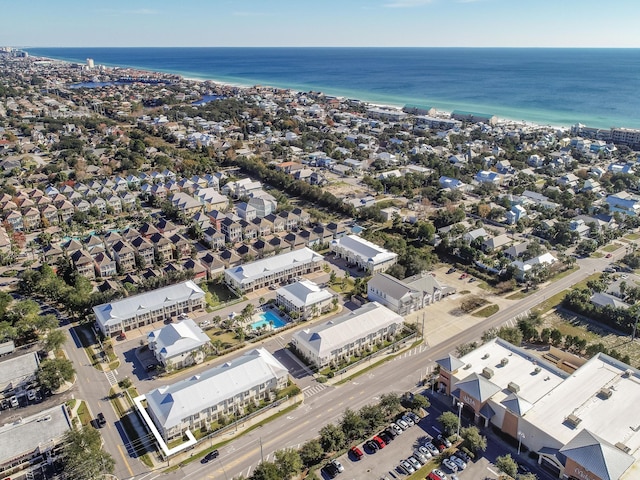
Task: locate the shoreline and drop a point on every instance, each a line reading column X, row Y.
column 189, row 77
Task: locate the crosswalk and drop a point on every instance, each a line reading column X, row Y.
column 310, row 391
column 413, row 351
column 111, row 377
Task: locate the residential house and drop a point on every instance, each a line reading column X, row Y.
column 394, row 294
column 124, row 256
column 363, row 253
column 231, row 229
column 145, row 250
column 179, row 345
column 304, row 299
column 346, row 335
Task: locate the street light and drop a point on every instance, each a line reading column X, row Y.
column 459, row 405
column 520, row 437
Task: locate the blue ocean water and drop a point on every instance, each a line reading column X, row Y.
column 596, row 87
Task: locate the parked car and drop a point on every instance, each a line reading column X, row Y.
column 397, row 429
column 404, row 425
column 452, row 270
column 391, row 432
column 210, row 456
column 338, row 465
column 421, row 457
column 608, row 255
column 408, row 420
column 414, row 417
column 330, row 470
column 31, row 395
column 450, row 465
column 463, row 456
column 379, row 441
column 439, row 445
column 406, row 467
column 386, row 437
column 356, row 452
column 432, row 448
column 371, row 446
column 439, row 473
column 461, row 464
column 14, row 401
column 415, row 463
column 445, row 440
column 425, row 451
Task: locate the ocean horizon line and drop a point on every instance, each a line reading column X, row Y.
column 547, row 87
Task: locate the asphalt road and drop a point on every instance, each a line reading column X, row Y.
column 327, row 405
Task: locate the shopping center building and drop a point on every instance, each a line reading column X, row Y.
column 580, row 420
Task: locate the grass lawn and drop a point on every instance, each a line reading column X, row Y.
column 611, row 248
column 632, row 236
column 221, row 292
column 555, row 300
column 519, row 295
column 486, row 311
column 338, row 285
column 83, row 414
column 228, row 339
column 597, row 255
column 565, row 273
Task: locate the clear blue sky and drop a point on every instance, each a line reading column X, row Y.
column 438, row 23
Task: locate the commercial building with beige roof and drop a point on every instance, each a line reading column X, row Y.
column 580, row 424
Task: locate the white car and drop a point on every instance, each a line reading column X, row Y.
column 407, row 467
column 31, row 395
column 445, row 440
column 450, row 465
column 415, row 463
column 432, row 448
column 425, row 451
column 404, row 425
column 409, row 420
column 397, row 429
column 338, row 465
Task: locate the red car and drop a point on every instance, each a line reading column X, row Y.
column 379, row 441
column 609, row 255
column 356, row 452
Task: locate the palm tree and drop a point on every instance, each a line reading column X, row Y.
column 217, row 344
column 248, row 311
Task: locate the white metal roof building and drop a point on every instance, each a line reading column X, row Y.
column 16, row 372
column 363, row 253
column 343, row 336
column 223, row 390
column 31, row 437
column 305, row 298
column 178, row 345
column 149, row 307
column 272, row 270
column 580, row 424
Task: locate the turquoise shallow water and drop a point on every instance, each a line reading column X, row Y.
column 597, row 87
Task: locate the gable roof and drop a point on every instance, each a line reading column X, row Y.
column 478, row 387
column 597, row 455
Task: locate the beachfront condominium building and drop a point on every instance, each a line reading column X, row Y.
column 304, row 299
column 150, row 307
column 179, row 345
column 31, row 442
column 363, row 253
column 351, row 333
column 273, row 270
column 223, row 391
column 572, row 413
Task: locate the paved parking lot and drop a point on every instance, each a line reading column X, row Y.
column 385, row 462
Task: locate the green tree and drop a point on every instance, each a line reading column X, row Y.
column 288, row 462
column 419, row 401
column 311, row 452
column 449, row 422
column 472, row 440
column 266, row 471
column 390, row 403
column 507, row 465
column 353, row 425
column 512, row 335
column 372, row 415
column 83, row 456
column 7, row 331
column 54, row 340
column 54, row 372
column 332, row 438
column 526, row 476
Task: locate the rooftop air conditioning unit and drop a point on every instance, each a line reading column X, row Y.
column 513, row 387
column 537, row 370
column 605, row 393
column 504, row 361
column 623, row 447
column 573, row 420
column 485, row 356
column 487, row 372
column 467, row 366
column 627, row 373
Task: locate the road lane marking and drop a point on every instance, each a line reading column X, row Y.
column 125, row 460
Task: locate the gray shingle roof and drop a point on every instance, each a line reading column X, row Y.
column 597, row 455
